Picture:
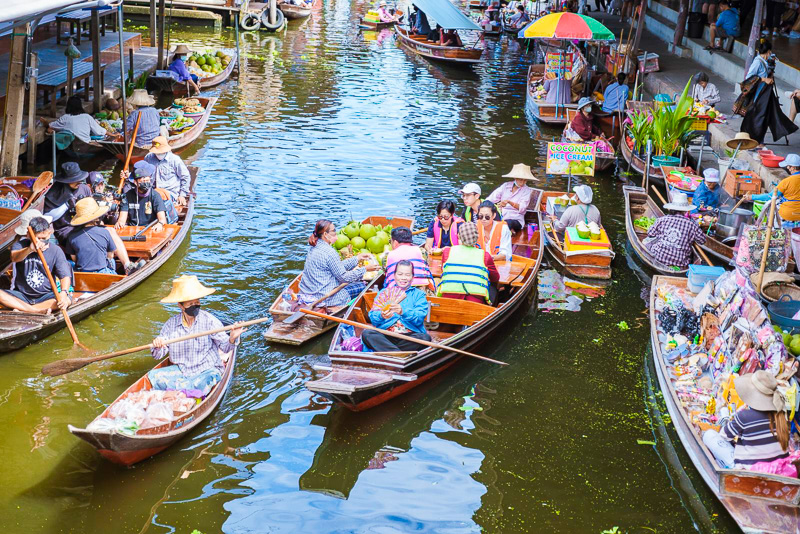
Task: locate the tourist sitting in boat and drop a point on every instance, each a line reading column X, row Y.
column 451, row 38
column 150, row 124
column 443, row 229
column 143, row 204
column 494, row 235
column 171, row 173
column 671, row 238
column 584, row 210
column 32, row 292
column 513, row 197
column 92, row 246
column 420, row 24
column 77, row 121
column 97, row 183
column 489, row 23
column 471, row 196
column 403, row 249
column 405, row 317
column 706, row 196
column 384, row 14
column 704, row 91
column 468, row 273
column 788, row 193
column 583, row 123
column 195, row 363
column 59, row 202
column 760, row 431
column 616, row 94
column 520, row 19
column 324, row 269
column 178, row 66
column 559, row 90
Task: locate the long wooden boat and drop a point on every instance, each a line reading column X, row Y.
column 638, row 164
column 310, row 327
column 178, row 142
column 758, row 502
column 180, row 89
column 371, row 25
column 94, row 291
column 362, row 380
column 594, row 264
column 9, row 217
column 293, row 12
column 608, row 123
column 127, row 449
column 538, row 108
column 419, row 45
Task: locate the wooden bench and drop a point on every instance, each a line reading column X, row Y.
column 443, row 310
column 54, row 81
column 511, row 272
column 154, row 242
column 77, row 19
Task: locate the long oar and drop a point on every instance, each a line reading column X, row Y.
column 400, row 336
column 130, row 153
column 763, row 266
column 63, row 367
column 420, row 231
column 696, row 248
column 39, row 185
column 35, row 242
column 296, row 316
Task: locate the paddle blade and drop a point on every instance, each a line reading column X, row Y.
column 62, row 367
column 293, row 318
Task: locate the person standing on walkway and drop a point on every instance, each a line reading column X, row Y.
column 772, row 20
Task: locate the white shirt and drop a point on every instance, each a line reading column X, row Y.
column 709, row 92
column 505, row 242
column 83, row 126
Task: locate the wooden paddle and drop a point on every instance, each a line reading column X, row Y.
column 130, row 153
column 767, row 241
column 400, row 336
column 696, row 248
column 39, row 185
column 296, row 316
column 737, row 205
column 63, row 367
column 35, row 241
column 420, row 231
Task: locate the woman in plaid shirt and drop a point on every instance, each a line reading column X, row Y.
column 671, row 238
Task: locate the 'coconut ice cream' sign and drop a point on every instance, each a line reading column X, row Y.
column 576, row 159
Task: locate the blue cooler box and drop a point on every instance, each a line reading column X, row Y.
column 700, row 274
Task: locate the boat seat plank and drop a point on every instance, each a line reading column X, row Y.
column 458, row 312
column 154, row 241
column 7, row 214
column 511, row 272
column 94, row 282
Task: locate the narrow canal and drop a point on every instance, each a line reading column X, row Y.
column 329, row 122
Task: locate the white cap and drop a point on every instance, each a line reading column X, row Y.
column 25, row 219
column 711, row 175
column 471, row 187
column 584, row 193
column 791, row 159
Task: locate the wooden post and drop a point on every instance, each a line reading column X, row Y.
column 123, row 101
column 680, row 28
column 755, row 33
column 97, row 78
column 639, row 30
column 162, row 8
column 15, row 99
column 70, row 85
column 130, row 59
column 153, row 34
column 30, row 155
column 273, row 6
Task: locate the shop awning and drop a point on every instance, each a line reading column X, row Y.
column 19, row 12
column 446, row 15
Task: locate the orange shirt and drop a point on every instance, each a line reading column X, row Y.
column 790, row 189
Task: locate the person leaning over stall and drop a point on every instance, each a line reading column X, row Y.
column 468, row 273
column 616, row 94
column 324, row 270
column 670, row 239
column 471, row 196
column 178, row 66
column 403, row 249
column 514, row 197
column 195, row 363
column 32, row 292
column 584, row 210
column 406, row 317
column 707, row 193
column 59, row 202
column 494, row 235
column 443, row 229
column 788, row 197
column 150, row 124
column 76, row 120
column 142, row 204
column 704, row 91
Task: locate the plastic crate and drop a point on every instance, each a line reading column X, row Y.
column 700, row 274
column 700, row 124
column 737, row 183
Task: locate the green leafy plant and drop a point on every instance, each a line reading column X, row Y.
column 138, row 83
column 671, row 124
column 641, row 128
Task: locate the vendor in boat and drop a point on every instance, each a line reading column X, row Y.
column 32, row 292
column 420, row 25
column 324, row 269
column 150, row 124
column 468, row 273
column 494, row 235
column 384, row 14
column 405, row 317
column 403, row 249
column 195, row 363
column 471, row 196
column 760, row 430
column 583, row 123
column 519, row 19
column 559, row 90
column 77, row 121
column 443, row 230
column 706, row 196
column 616, row 94
column 788, row 193
column 584, row 210
column 171, row 173
column 705, row 92
column 178, row 66
column 59, row 202
column 142, row 204
column 671, row 238
column 92, row 246
column 451, row 38
column 513, row 197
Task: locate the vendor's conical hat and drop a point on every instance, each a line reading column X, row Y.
column 185, row 288
column 522, row 171
column 141, row 97
column 744, row 139
column 182, row 49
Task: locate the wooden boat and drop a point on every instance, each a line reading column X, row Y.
column 637, row 163
column 169, row 85
column 419, row 45
column 294, row 12
column 603, row 160
column 93, row 291
column 375, row 26
column 758, row 502
column 362, row 380
column 9, row 217
column 127, row 450
column 309, row 327
column 538, row 108
column 178, row 142
column 595, row 264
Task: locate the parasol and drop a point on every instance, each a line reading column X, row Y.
column 566, row 26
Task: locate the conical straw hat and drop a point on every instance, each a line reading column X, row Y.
column 185, row 288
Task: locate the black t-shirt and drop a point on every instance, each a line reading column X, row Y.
column 30, row 278
column 91, row 245
column 142, row 210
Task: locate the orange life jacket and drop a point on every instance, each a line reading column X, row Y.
column 493, row 246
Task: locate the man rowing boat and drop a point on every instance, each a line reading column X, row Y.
column 196, row 363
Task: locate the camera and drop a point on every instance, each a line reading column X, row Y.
column 771, row 65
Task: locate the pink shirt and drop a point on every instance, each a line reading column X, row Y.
column 522, row 197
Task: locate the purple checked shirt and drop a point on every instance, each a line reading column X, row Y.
column 194, row 356
column 522, row 197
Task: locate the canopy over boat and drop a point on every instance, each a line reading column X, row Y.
column 566, row 26
column 446, row 15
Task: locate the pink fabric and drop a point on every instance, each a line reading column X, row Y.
column 781, row 466
column 453, row 231
column 521, row 196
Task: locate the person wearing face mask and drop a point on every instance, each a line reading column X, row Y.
column 59, row 201
column 195, row 363
column 513, row 197
column 171, row 173
column 142, row 204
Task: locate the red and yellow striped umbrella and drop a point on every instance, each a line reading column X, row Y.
column 566, row 26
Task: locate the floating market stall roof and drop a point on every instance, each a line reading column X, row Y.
column 447, row 15
column 566, row 26
column 18, row 12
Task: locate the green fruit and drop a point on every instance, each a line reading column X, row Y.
column 351, row 230
column 384, row 237
column 777, row 328
column 220, row 53
column 358, row 243
column 201, row 61
column 341, row 241
column 375, row 244
column 787, row 339
column 367, row 231
column 794, row 347
column 796, row 337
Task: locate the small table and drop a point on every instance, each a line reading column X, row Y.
column 54, row 81
column 154, row 242
column 80, row 17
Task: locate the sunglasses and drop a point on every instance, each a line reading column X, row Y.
column 485, row 217
column 445, row 217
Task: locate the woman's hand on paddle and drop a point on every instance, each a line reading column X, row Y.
column 158, row 343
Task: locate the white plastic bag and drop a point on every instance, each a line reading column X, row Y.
column 158, row 413
column 125, row 409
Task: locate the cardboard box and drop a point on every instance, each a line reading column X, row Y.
column 737, row 183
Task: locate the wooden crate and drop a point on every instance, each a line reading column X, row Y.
column 737, row 183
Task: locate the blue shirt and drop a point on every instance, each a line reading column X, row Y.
column 706, row 197
column 758, row 67
column 149, row 126
column 728, row 20
column 615, row 96
column 415, row 310
column 91, row 245
column 179, row 67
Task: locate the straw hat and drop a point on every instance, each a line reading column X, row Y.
column 522, row 171
column 680, row 202
column 744, row 139
column 468, row 234
column 160, row 145
column 25, row 220
column 182, row 49
column 759, row 391
column 186, row 288
column 141, row 97
column 87, row 209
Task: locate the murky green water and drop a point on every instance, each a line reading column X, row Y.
column 326, row 121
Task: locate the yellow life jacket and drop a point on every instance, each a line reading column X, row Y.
column 465, row 273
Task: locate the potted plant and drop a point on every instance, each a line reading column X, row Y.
column 669, row 129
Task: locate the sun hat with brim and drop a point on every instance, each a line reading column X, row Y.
column 141, row 97
column 584, row 193
column 744, row 139
column 160, row 145
column 585, row 101
column 71, row 173
column 759, row 391
column 182, row 49
column 86, row 210
column 26, row 218
column 680, row 202
column 521, row 171
column 471, row 187
column 792, row 160
column 468, row 234
column 711, row 176
column 186, row 288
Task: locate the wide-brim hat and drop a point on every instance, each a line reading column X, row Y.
column 71, row 173
column 759, row 391
column 160, row 145
column 585, row 101
column 744, row 139
column 182, row 49
column 521, row 171
column 680, row 202
column 186, row 288
column 141, row 97
column 86, row 210
column 25, row 220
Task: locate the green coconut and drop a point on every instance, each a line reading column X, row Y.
column 787, row 339
column 358, row 243
column 375, row 244
column 384, row 237
column 367, row 231
column 341, row 241
column 794, row 347
column 351, row 230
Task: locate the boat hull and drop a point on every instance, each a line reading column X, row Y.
column 293, row 12
column 447, row 54
column 638, row 164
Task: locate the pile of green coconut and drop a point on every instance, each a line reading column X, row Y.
column 356, row 238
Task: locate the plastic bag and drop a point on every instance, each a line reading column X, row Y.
column 125, row 409
column 158, row 413
column 104, row 424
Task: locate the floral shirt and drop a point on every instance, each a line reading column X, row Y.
column 670, row 239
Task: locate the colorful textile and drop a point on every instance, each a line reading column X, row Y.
column 194, row 356
column 567, row 26
column 171, row 378
column 751, row 249
column 324, row 270
column 671, row 238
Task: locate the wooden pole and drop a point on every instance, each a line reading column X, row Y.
column 153, row 34
column 162, row 9
column 273, row 7
column 755, row 33
column 639, row 30
column 123, row 101
column 767, row 240
column 70, row 85
column 32, row 92
column 15, row 100
column 97, row 75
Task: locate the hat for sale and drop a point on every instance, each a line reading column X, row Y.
column 742, row 141
column 471, row 187
column 792, row 160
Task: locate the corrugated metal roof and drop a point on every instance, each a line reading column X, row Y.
column 24, row 9
column 446, row 15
